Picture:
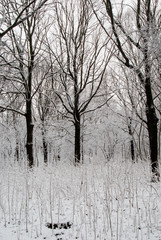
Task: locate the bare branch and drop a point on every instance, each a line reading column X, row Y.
column 19, row 20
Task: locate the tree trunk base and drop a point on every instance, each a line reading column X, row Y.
column 155, row 176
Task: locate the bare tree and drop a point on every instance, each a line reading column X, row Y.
column 82, row 57
column 21, row 56
column 138, row 56
column 131, row 101
column 47, row 104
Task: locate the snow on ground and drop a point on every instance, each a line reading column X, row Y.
column 104, row 201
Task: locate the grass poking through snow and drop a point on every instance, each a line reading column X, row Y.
column 112, row 201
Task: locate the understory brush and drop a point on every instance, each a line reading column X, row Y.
column 106, row 201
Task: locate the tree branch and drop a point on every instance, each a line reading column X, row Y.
column 19, row 20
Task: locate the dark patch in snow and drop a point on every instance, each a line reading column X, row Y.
column 59, row 225
column 58, row 234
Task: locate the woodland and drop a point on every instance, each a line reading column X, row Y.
column 80, row 95
column 79, row 79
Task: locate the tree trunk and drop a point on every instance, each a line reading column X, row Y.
column 152, row 122
column 45, row 147
column 17, row 155
column 77, row 139
column 30, row 126
column 152, row 119
column 132, row 149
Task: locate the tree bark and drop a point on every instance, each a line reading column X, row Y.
column 30, row 126
column 152, row 122
column 45, row 147
column 77, row 138
column 29, row 123
column 17, row 154
column 132, row 149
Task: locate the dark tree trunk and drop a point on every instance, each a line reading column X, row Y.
column 152, row 122
column 77, row 139
column 29, row 123
column 17, row 151
column 132, row 149
column 82, row 150
column 29, row 142
column 45, row 147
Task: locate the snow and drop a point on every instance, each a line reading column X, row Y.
column 105, row 201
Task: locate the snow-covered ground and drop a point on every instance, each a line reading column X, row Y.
column 104, row 201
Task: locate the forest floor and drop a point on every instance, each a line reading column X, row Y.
column 104, row 201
